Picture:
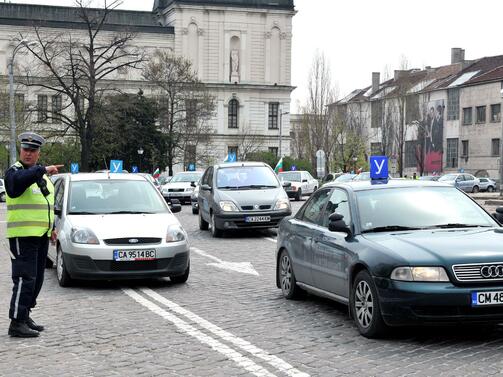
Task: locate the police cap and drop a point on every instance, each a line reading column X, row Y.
column 31, row 140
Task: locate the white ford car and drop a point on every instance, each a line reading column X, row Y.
column 302, row 183
column 116, row 226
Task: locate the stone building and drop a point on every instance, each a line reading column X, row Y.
column 240, row 48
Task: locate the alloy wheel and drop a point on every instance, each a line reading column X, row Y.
column 364, row 304
column 59, row 265
column 286, row 274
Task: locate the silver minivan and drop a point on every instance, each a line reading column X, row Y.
column 241, row 195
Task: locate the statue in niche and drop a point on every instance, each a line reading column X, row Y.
column 234, row 65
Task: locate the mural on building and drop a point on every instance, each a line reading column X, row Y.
column 430, row 137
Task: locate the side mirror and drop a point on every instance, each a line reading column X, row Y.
column 57, row 211
column 174, row 205
column 337, row 224
column 286, row 184
column 192, row 184
column 499, row 215
column 206, row 187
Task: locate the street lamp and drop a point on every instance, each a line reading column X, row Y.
column 10, row 66
column 281, row 130
column 140, row 153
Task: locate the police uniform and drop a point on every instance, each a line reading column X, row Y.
column 30, row 219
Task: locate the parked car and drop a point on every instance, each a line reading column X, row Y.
column 302, row 183
column 463, row 181
column 487, row 184
column 429, row 178
column 244, row 195
column 116, row 227
column 403, row 253
column 181, row 186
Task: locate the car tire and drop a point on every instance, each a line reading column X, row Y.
column 195, row 211
column 490, row 189
column 286, row 277
column 364, row 304
column 180, row 279
column 203, row 224
column 48, row 263
column 475, row 189
column 298, row 197
column 2, row 197
column 215, row 232
column 62, row 275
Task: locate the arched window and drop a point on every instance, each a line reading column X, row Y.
column 233, row 113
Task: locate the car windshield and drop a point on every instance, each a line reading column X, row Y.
column 418, row 207
column 448, row 177
column 246, row 177
column 186, row 177
column 114, row 196
column 288, row 176
column 344, row 178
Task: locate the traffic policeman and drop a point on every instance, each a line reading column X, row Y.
column 30, row 219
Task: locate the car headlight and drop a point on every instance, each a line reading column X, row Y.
column 190, row 189
column 228, row 206
column 175, row 233
column 282, row 204
column 84, row 236
column 419, row 274
column 294, row 188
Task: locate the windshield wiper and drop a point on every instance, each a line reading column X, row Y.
column 228, row 187
column 458, row 225
column 257, row 186
column 389, row 228
column 128, row 212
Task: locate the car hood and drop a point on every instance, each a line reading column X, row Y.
column 125, row 225
column 253, row 197
column 445, row 247
column 177, row 185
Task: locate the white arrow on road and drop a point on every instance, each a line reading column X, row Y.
column 243, row 267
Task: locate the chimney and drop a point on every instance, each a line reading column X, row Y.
column 376, row 80
column 457, row 55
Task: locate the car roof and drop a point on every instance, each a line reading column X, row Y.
column 189, row 172
column 239, row 164
column 379, row 185
column 103, row 176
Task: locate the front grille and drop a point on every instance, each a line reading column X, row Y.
column 478, row 272
column 176, row 190
column 251, row 208
column 140, row 241
column 106, row 265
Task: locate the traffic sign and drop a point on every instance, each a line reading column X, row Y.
column 74, row 168
column 378, row 167
column 231, row 157
column 116, row 166
column 134, row 169
column 293, row 168
column 191, row 167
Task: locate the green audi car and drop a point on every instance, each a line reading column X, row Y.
column 397, row 252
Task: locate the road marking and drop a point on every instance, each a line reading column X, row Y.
column 232, row 354
column 271, row 239
column 272, row 360
column 243, row 267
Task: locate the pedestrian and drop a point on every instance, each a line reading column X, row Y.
column 414, row 176
column 30, row 225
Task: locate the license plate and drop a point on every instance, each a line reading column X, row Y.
column 487, row 298
column 257, row 219
column 134, row 255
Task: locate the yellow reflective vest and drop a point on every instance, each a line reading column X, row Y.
column 31, row 214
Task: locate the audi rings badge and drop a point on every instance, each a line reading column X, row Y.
column 492, row 271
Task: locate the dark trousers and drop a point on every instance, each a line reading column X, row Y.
column 28, row 264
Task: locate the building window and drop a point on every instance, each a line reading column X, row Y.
column 464, row 149
column 233, row 113
column 412, row 108
column 495, row 147
column 273, row 115
column 41, row 108
column 452, row 153
column 410, row 154
column 274, row 151
column 57, row 107
column 453, row 104
column 481, row 114
column 375, row 149
column 467, row 115
column 232, row 150
column 19, row 101
column 190, row 112
column 496, row 113
column 376, row 114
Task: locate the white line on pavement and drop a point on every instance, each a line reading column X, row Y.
column 243, row 267
column 272, row 360
column 237, row 357
column 271, row 239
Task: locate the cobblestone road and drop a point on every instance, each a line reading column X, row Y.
column 223, row 323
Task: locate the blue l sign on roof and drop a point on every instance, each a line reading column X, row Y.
column 232, row 157
column 378, row 167
column 116, row 166
column 134, row 169
column 74, row 168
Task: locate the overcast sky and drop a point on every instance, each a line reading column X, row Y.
column 362, row 36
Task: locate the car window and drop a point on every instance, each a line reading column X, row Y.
column 483, row 180
column 468, row 177
column 289, row 176
column 186, row 177
column 338, row 203
column 314, row 207
column 246, row 177
column 205, row 179
column 59, row 190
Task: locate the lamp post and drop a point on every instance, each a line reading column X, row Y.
column 281, row 130
column 140, row 153
column 12, row 110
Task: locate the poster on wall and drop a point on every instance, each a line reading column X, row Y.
column 431, row 134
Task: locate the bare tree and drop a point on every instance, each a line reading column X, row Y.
column 249, row 141
column 76, row 67
column 186, row 105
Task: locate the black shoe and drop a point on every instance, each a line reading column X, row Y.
column 32, row 325
column 21, row 330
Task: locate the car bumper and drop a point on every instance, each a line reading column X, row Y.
column 97, row 263
column 194, row 202
column 409, row 303
column 182, row 196
column 291, row 194
column 238, row 220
